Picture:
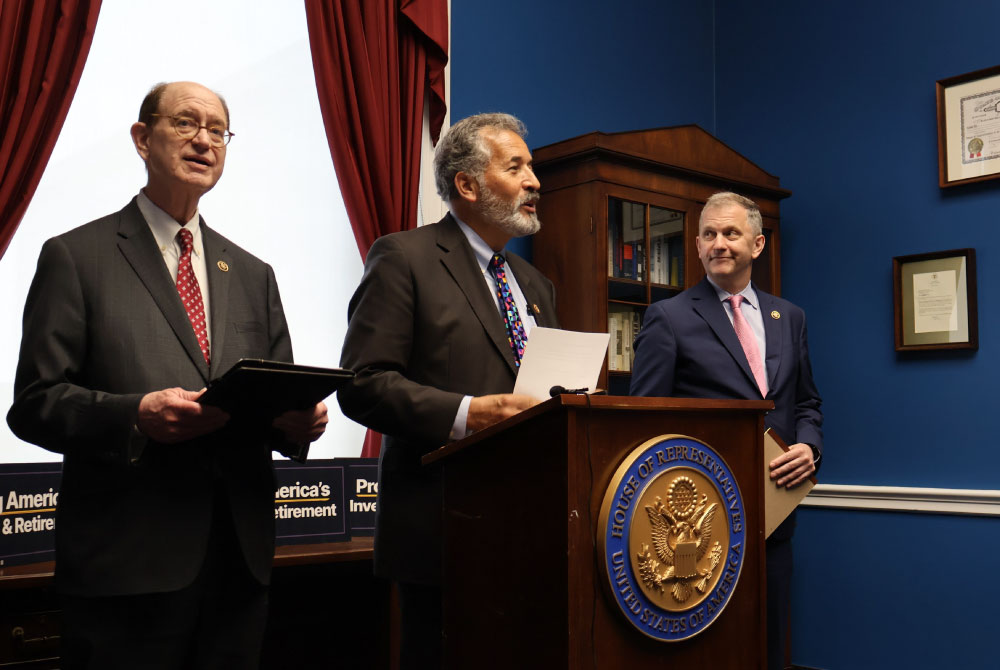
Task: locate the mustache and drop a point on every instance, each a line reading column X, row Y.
column 530, row 199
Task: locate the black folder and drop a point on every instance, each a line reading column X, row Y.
column 262, row 390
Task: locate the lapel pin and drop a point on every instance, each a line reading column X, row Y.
column 224, row 266
column 775, row 315
column 534, row 308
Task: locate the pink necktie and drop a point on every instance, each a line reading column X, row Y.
column 749, row 343
column 190, row 292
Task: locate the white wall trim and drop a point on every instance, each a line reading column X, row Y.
column 972, row 502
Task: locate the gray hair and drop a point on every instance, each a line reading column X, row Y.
column 462, row 149
column 727, row 198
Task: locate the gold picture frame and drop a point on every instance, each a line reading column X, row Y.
column 934, row 300
column 968, row 115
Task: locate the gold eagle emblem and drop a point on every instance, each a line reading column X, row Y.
column 681, row 531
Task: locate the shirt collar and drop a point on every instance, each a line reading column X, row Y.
column 482, row 251
column 164, row 226
column 749, row 295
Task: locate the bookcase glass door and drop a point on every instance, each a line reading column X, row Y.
column 645, row 264
column 666, row 252
column 626, row 241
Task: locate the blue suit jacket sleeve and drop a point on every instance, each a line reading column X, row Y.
column 655, row 355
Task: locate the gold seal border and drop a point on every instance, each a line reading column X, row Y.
column 602, row 531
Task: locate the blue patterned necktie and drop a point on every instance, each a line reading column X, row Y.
column 511, row 319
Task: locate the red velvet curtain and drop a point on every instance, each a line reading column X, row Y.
column 43, row 46
column 375, row 61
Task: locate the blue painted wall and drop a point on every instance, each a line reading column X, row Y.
column 838, row 100
column 570, row 67
column 883, row 591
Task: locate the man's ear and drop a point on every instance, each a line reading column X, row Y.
column 140, row 138
column 467, row 187
column 758, row 246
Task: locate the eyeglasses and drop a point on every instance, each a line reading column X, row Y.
column 187, row 128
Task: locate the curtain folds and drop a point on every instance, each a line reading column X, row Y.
column 375, row 62
column 43, row 47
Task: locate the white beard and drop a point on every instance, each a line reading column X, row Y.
column 508, row 216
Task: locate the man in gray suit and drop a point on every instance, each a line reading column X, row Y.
column 165, row 522
column 436, row 346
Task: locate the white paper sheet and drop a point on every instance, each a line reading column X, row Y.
column 935, row 301
column 565, row 358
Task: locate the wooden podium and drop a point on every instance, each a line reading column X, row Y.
column 523, row 586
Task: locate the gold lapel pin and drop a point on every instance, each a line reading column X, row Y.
column 224, row 266
column 775, row 314
column 534, row 308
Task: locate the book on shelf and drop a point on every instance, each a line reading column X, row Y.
column 629, row 337
column 636, row 325
column 623, row 327
column 615, row 347
column 626, row 260
column 675, row 253
column 658, row 261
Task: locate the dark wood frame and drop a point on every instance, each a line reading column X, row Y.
column 941, row 86
column 898, row 264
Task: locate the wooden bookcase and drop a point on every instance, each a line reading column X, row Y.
column 619, row 218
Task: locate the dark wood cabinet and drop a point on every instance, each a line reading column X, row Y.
column 620, row 216
column 327, row 609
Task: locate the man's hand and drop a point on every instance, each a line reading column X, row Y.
column 172, row 415
column 487, row 410
column 303, row 426
column 794, row 466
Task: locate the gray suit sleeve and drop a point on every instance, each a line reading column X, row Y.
column 281, row 350
column 379, row 347
column 51, row 408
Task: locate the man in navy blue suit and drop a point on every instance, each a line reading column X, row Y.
column 696, row 346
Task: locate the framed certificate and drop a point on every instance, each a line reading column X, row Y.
column 934, row 298
column 968, row 114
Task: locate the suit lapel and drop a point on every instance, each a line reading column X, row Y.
column 138, row 245
column 459, row 260
column 532, row 290
column 772, row 335
column 216, row 258
column 707, row 304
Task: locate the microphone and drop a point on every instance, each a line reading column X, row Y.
column 559, row 390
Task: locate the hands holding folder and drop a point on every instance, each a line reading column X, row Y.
column 286, row 396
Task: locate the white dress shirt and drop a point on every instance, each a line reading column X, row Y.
column 165, row 230
column 484, row 254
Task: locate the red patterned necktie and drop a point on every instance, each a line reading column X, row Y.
column 190, row 291
column 749, row 343
column 511, row 319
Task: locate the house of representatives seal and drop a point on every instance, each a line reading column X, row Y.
column 672, row 537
